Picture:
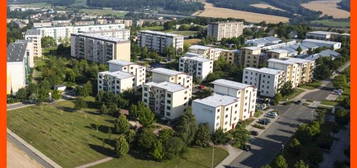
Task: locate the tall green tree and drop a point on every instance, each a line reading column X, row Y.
column 121, row 125
column 202, row 137
column 280, row 162
column 121, row 146
column 301, row 164
column 47, row 42
column 187, row 127
column 146, row 117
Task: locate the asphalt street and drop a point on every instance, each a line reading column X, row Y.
column 270, row 142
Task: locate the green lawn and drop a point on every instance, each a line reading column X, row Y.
column 194, row 158
column 332, row 23
column 71, row 139
column 184, row 33
column 295, row 93
column 154, row 28
column 312, row 85
column 104, row 12
column 329, row 103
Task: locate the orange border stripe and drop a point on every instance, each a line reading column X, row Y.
column 3, row 47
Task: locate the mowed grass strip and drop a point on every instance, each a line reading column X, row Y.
column 64, row 135
column 193, row 158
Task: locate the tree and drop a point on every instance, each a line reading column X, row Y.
column 266, row 166
column 277, row 98
column 104, row 109
column 146, row 140
column 130, row 136
column 173, row 147
column 47, row 42
column 301, row 164
column 157, row 152
column 280, row 162
column 121, row 146
column 294, row 146
column 299, row 50
column 80, row 103
column 165, row 134
column 133, row 112
column 187, row 127
column 146, row 116
column 240, row 136
column 56, row 95
column 121, row 125
column 219, row 137
column 287, row 88
column 202, row 137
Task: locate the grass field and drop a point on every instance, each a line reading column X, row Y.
column 327, row 7
column 332, row 23
column 71, row 138
column 192, row 41
column 104, row 12
column 329, row 102
column 295, row 93
column 194, row 158
column 184, row 33
column 211, row 11
column 312, row 85
column 33, row 5
column 154, row 28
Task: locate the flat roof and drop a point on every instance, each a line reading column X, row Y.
column 33, row 32
column 199, row 47
column 274, row 60
column 166, row 71
column 279, row 50
column 120, row 62
column 289, row 60
column 230, row 84
column 217, row 100
column 322, row 32
column 98, row 37
column 197, row 58
column 319, row 41
column 265, row 70
column 16, row 51
column 118, row 74
column 171, row 87
column 252, row 48
column 161, row 33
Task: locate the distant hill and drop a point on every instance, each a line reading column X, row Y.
column 290, row 8
column 54, row 2
column 167, row 6
column 345, row 5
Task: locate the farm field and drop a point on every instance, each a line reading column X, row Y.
column 104, row 12
column 327, row 7
column 265, row 6
column 72, row 138
column 211, row 11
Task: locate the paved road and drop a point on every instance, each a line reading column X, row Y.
column 269, row 142
column 321, row 94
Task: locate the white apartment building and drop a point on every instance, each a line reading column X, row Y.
column 159, row 41
column 169, row 100
column 321, row 35
column 35, row 37
column 247, row 94
column 180, row 78
column 99, row 49
column 137, row 70
column 297, row 70
column 218, row 111
column 115, row 82
column 120, row 33
column 19, row 63
column 208, row 52
column 268, row 81
column 195, row 65
column 62, row 33
column 252, row 56
column 220, row 30
column 322, row 43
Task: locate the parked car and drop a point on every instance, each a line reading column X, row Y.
column 264, row 121
column 246, row 147
column 273, row 113
column 254, row 133
column 298, row 102
column 269, row 115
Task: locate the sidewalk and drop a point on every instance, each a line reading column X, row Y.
column 95, row 163
column 232, row 154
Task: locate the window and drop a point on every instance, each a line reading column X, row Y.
column 169, row 95
column 168, row 108
column 226, row 116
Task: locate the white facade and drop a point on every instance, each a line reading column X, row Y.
column 180, row 78
column 220, row 30
column 137, row 70
column 321, row 35
column 99, row 49
column 207, row 52
column 247, row 95
column 115, row 82
column 159, row 41
column 267, row 80
column 218, row 111
column 62, row 33
column 323, row 43
column 196, row 65
column 35, row 37
column 169, row 100
column 120, row 34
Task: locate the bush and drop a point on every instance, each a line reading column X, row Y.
column 258, row 126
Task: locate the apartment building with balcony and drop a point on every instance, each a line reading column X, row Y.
column 196, row 66
column 160, row 41
column 35, row 37
column 116, row 33
column 220, row 30
column 99, row 49
column 138, row 71
column 115, row 82
column 168, row 75
column 251, row 56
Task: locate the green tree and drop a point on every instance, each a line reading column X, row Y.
column 146, row 116
column 294, row 146
column 301, row 164
column 219, row 137
column 280, row 162
column 266, row 166
column 104, row 109
column 80, row 103
column 146, row 140
column 202, row 137
column 121, row 125
column 157, row 152
column 121, row 146
column 133, row 112
column 165, row 134
column 240, row 136
column 187, row 127
column 130, row 136
column 277, row 98
column 56, row 94
column 47, row 42
column 173, row 147
column 287, row 89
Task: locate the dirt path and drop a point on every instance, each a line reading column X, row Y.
column 18, row 159
column 212, row 11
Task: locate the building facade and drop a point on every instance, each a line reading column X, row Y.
column 160, row 41
column 247, row 94
column 99, row 49
column 120, row 34
column 196, row 65
column 251, row 56
column 268, row 81
column 115, row 82
column 138, row 71
column 168, row 75
column 220, row 30
column 169, row 100
column 218, row 111
column 35, row 37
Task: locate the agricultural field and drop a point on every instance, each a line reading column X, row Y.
column 105, row 11
column 327, row 7
column 212, row 11
column 266, row 6
column 73, row 138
